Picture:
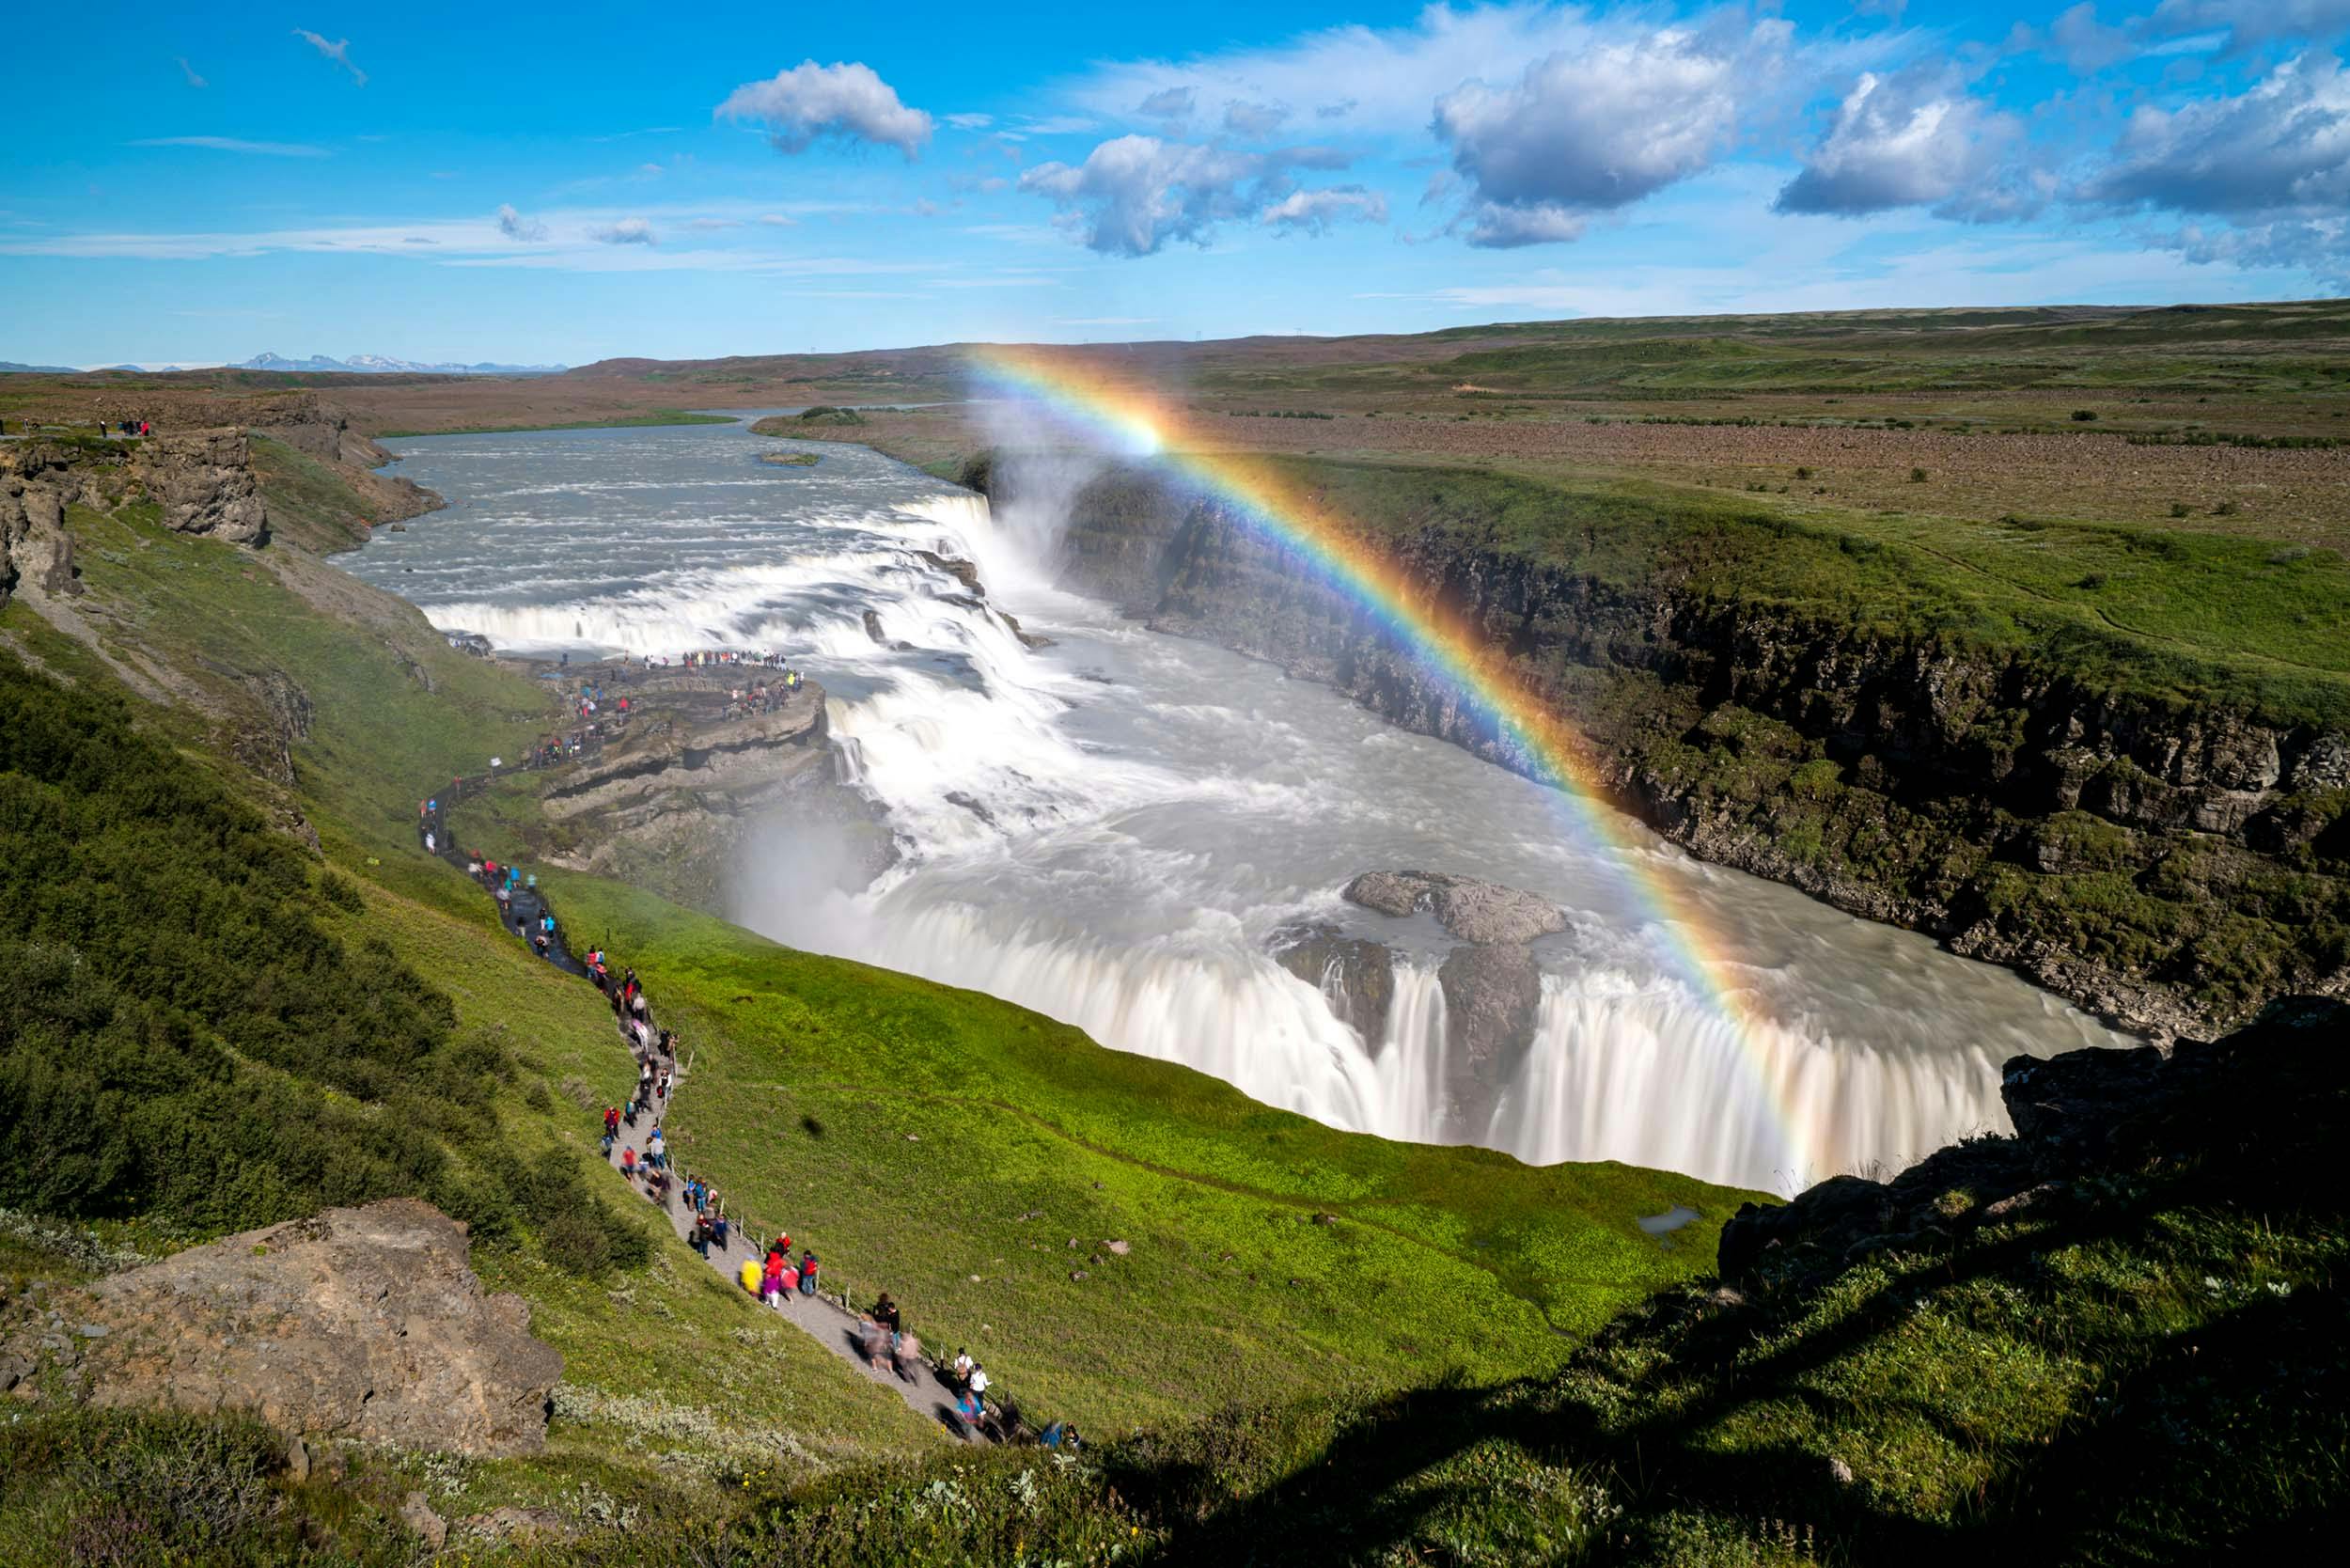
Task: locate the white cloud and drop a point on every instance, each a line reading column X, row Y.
column 845, row 102
column 232, row 144
column 712, row 226
column 2250, row 22
column 1168, row 103
column 1914, row 139
column 2283, row 143
column 969, row 122
column 338, row 51
column 189, row 71
column 1134, row 194
column 777, row 220
column 515, row 227
column 1596, row 128
column 1254, row 119
column 1314, row 211
column 625, row 231
column 2273, row 161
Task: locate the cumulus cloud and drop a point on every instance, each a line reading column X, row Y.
column 2283, row 145
column 1167, row 104
column 1915, row 139
column 189, row 71
column 2273, row 162
column 515, row 227
column 1254, row 119
column 625, row 231
column 1133, row 195
column 1314, row 211
column 843, row 102
column 338, row 51
column 1593, row 130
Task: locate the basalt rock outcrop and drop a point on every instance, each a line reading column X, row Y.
column 675, row 802
column 1492, row 982
column 2260, row 1104
column 1355, row 976
column 204, row 481
column 363, row 1323
column 1472, row 910
column 2164, row 860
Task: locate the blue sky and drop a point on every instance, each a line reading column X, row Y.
column 198, row 183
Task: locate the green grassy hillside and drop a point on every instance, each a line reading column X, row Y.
column 175, row 737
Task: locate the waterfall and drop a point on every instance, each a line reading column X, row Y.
column 1111, row 830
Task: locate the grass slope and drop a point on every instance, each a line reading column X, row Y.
column 948, row 1147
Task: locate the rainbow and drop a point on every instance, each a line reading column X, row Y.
column 1115, row 414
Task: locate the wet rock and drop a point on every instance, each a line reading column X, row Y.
column 1492, row 995
column 961, row 570
column 1027, row 639
column 1469, row 909
column 1356, row 977
column 362, row 1322
column 873, row 627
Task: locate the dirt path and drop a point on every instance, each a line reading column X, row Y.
column 817, row 1316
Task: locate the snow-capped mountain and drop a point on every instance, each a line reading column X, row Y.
column 379, row 365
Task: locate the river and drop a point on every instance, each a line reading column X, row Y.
column 1111, row 828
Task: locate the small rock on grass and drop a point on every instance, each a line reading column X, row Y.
column 417, row 1515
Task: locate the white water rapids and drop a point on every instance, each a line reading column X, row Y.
column 1108, row 830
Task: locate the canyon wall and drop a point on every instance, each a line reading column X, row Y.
column 2166, row 864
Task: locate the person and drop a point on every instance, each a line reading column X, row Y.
column 1061, row 1434
column 506, row 898
column 698, row 1238
column 977, row 1382
column 532, row 881
column 542, row 944
column 960, row 1369
column 628, row 1113
column 885, row 1314
column 971, row 1409
column 771, row 1278
column 611, row 1121
column 628, row 1160
column 718, row 1229
column 872, row 1339
column 808, row 1272
column 658, row 1148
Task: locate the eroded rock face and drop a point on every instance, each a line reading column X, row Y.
column 361, row 1323
column 1355, row 976
column 1471, row 910
column 204, row 481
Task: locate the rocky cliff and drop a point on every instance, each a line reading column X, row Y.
column 2163, row 862
column 360, row 1324
column 675, row 802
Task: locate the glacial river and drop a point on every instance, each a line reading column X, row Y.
column 1109, row 830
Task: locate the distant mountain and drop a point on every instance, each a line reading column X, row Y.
column 7, row 365
column 382, row 364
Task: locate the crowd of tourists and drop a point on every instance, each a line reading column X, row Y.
column 776, row 1271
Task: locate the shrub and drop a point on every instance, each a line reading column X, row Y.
column 2180, row 508
column 2084, row 415
column 1916, row 476
column 1803, row 473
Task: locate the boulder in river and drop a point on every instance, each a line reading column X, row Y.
column 1493, row 993
column 1355, row 976
column 1470, row 909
